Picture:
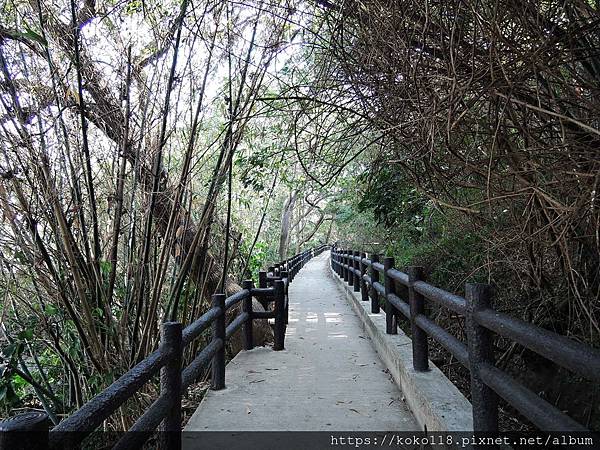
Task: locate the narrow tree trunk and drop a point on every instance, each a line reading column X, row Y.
column 286, row 219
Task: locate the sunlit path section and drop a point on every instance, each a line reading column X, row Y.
column 328, row 378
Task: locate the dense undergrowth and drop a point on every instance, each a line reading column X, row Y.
column 395, row 221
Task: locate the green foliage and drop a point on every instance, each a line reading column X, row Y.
column 450, row 258
column 133, row 6
column 258, row 258
column 384, row 213
column 105, row 267
column 29, row 35
column 9, row 384
column 391, row 198
column 253, row 170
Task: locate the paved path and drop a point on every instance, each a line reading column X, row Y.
column 328, row 378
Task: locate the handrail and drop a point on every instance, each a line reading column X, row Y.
column 167, row 359
column 487, row 381
column 565, row 352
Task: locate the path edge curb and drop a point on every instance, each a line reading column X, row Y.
column 435, row 402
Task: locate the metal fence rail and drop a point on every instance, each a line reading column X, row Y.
column 30, row 430
column 404, row 295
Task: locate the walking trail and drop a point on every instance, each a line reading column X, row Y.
column 329, row 377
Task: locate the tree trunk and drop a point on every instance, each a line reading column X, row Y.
column 286, row 219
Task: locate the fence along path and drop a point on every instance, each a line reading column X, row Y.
column 322, row 373
column 329, row 377
column 30, row 430
column 404, row 297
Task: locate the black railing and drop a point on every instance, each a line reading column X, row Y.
column 30, row 430
column 487, row 381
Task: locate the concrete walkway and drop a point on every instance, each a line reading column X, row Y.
column 329, row 377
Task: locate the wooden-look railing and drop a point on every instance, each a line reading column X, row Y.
column 404, row 294
column 30, row 430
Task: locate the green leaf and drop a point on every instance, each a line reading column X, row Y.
column 35, row 36
column 29, row 34
column 25, row 334
column 20, row 256
column 105, row 267
column 133, row 6
column 51, row 310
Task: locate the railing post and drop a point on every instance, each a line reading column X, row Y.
column 271, row 270
column 363, row 284
column 170, row 385
column 336, row 266
column 290, row 268
column 347, row 259
column 279, row 294
column 347, row 266
column 334, row 261
column 350, row 268
column 26, row 431
column 356, row 266
column 218, row 332
column 247, row 308
column 391, row 327
column 262, row 279
column 416, row 301
column 483, row 398
column 284, row 274
column 374, row 279
column 262, row 283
